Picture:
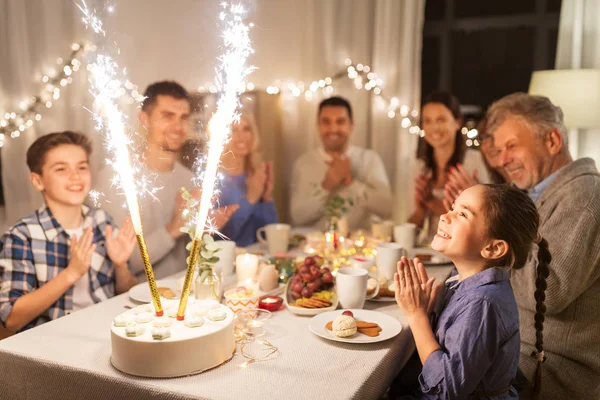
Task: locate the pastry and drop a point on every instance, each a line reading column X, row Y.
column 344, row 326
column 372, row 332
column 313, row 302
column 162, row 322
column 193, row 321
column 161, row 333
column 166, row 292
column 217, row 314
column 134, row 330
column 146, row 308
column 424, row 257
column 144, row 318
column 122, row 321
column 367, row 328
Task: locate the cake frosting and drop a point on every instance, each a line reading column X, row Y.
column 162, row 347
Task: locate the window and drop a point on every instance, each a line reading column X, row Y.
column 484, row 50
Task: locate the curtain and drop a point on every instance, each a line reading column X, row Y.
column 33, row 34
column 579, row 47
column 293, row 40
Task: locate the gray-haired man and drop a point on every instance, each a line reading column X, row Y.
column 530, row 135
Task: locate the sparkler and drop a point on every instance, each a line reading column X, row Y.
column 230, row 76
column 106, row 89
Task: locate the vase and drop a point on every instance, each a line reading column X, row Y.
column 209, row 285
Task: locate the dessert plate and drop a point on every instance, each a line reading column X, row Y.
column 141, row 291
column 437, row 258
column 390, row 326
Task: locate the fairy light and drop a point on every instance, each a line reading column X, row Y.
column 52, row 84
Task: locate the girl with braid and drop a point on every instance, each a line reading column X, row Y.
column 469, row 349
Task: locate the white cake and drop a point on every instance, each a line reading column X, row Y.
column 163, row 347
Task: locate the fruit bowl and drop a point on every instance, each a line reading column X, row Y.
column 308, row 311
column 311, row 290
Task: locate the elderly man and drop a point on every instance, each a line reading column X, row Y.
column 338, row 168
column 529, row 133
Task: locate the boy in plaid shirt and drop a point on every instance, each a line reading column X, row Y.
column 64, row 256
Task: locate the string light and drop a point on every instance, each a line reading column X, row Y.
column 363, row 77
column 52, row 83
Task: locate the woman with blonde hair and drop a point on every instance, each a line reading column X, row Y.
column 247, row 181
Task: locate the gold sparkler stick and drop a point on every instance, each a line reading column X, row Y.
column 189, row 274
column 150, row 275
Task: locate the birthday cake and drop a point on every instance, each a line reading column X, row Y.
column 163, row 347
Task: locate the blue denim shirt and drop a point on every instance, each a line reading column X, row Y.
column 244, row 223
column 478, row 331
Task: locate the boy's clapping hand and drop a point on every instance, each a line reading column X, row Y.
column 81, row 251
column 119, row 248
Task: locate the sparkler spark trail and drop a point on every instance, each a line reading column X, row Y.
column 106, row 89
column 90, row 18
column 230, row 76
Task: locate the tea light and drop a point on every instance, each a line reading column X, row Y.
column 246, row 266
column 270, row 303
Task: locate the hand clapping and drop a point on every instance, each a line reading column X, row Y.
column 257, row 182
column 415, row 292
column 339, row 172
column 119, row 248
column 458, row 179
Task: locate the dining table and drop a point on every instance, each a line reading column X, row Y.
column 69, row 358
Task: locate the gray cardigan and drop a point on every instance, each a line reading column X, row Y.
column 569, row 211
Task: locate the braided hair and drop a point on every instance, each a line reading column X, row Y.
column 544, row 259
column 513, row 217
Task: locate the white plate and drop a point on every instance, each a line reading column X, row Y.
column 390, row 326
column 141, row 291
column 309, row 311
column 383, row 299
column 437, row 258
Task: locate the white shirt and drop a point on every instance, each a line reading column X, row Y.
column 370, row 189
column 82, row 293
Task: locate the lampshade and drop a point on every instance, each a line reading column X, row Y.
column 575, row 91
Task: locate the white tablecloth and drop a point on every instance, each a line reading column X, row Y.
column 69, row 358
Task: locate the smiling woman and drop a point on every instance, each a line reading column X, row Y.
column 441, row 149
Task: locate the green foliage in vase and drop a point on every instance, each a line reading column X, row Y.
column 208, row 248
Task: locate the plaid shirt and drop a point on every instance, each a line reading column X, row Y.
column 36, row 250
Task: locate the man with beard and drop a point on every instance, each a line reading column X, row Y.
column 530, row 136
column 338, row 168
column 165, row 115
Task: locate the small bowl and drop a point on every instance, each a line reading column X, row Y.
column 237, row 304
column 270, row 303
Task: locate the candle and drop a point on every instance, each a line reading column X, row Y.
column 246, row 266
column 270, row 303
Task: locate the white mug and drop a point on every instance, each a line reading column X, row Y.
column 361, row 262
column 226, row 256
column 351, row 287
column 277, row 237
column 405, row 235
column 388, row 255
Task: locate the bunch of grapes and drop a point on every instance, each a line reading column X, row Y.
column 310, row 278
